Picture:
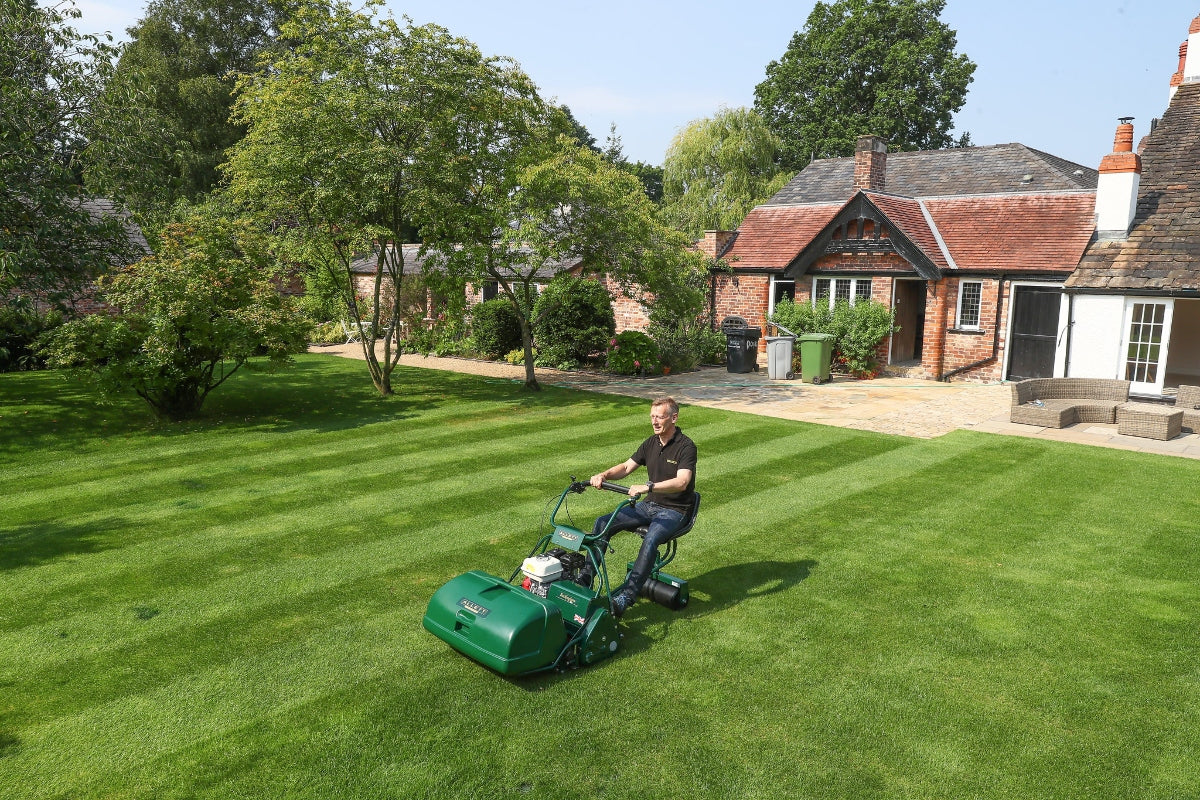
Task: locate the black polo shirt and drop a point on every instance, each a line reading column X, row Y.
column 663, row 461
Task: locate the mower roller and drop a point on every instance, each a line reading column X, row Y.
column 548, row 619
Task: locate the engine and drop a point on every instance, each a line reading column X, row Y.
column 553, row 565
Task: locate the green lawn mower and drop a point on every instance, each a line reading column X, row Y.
column 544, row 617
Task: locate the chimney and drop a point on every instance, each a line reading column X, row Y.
column 1117, row 189
column 870, row 164
column 1177, row 78
column 714, row 243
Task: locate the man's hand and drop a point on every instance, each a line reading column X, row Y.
column 638, row 489
column 597, row 479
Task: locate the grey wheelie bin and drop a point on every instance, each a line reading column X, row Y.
column 779, row 355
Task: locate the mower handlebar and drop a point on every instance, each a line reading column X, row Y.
column 609, row 486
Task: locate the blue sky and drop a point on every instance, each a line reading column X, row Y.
column 1054, row 74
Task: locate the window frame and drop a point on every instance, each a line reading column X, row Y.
column 853, row 285
column 978, row 307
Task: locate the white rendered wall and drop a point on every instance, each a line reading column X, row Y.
column 1096, row 337
column 1116, row 201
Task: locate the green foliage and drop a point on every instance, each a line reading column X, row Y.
column 54, row 238
column 326, row 333
column 572, row 319
column 858, row 330
column 633, row 353
column 322, row 300
column 495, row 328
column 21, row 326
column 884, row 67
column 187, row 318
column 719, row 168
column 516, row 356
column 162, row 126
column 361, row 128
column 681, row 347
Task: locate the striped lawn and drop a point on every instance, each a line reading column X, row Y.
column 231, row 608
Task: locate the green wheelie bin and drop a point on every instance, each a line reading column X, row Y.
column 816, row 353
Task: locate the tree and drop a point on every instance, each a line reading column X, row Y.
column 884, row 67
column 54, row 239
column 186, row 318
column 550, row 203
column 354, row 133
column 650, row 176
column 718, row 168
column 162, row 126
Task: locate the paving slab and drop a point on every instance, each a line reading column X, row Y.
column 899, row 406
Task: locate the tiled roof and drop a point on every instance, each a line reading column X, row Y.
column 906, row 214
column 997, row 169
column 1162, row 251
column 1011, row 233
column 414, row 263
column 771, row 236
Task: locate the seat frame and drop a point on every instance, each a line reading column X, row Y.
column 667, row 554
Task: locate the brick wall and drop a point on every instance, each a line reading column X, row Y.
column 964, row 347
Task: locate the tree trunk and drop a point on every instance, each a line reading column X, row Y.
column 531, row 382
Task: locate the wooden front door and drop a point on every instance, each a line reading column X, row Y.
column 1035, row 312
column 909, row 304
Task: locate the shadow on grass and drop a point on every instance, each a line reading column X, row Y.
column 9, row 744
column 724, row 587
column 715, row 591
column 315, row 393
column 42, row 542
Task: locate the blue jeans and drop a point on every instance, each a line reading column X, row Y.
column 661, row 523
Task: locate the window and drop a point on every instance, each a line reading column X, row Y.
column 1145, row 342
column 490, row 290
column 831, row 290
column 781, row 290
column 970, row 298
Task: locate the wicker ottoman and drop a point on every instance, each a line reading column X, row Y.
column 1149, row 420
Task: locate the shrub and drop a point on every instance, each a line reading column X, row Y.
column 572, row 318
column 633, row 353
column 517, row 356
column 20, row 329
column 677, row 345
column 186, row 318
column 857, row 330
column 495, row 328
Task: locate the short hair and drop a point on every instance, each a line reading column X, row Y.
column 669, row 402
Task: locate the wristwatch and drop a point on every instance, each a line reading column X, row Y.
column 650, row 484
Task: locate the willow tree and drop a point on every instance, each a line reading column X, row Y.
column 718, row 168
column 351, row 136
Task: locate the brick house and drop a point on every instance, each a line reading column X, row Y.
column 1133, row 307
column 969, row 246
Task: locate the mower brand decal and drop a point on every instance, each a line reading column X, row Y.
column 474, row 607
column 566, row 598
column 565, row 534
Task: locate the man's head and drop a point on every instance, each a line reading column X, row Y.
column 664, row 412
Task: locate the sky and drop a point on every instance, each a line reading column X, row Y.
column 1051, row 74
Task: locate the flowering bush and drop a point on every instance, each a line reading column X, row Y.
column 633, row 353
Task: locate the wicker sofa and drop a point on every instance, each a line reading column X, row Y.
column 1058, row 402
column 1187, row 400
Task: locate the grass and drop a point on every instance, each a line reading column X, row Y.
column 232, row 607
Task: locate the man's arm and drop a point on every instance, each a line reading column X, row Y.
column 676, row 484
column 614, row 473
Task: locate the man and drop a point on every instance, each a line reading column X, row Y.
column 670, row 460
